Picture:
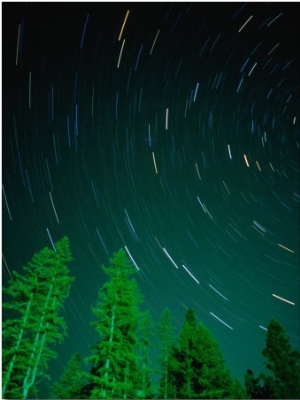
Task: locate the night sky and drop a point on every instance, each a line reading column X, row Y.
column 168, row 128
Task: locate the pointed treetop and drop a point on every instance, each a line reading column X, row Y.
column 190, row 318
column 119, row 264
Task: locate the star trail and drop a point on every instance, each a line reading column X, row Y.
column 170, row 130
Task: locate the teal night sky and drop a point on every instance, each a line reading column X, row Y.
column 175, row 134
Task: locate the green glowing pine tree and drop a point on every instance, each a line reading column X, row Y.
column 144, row 336
column 71, row 381
column 115, row 362
column 33, row 323
column 165, row 337
column 197, row 368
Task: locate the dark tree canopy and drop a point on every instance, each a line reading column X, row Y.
column 284, row 365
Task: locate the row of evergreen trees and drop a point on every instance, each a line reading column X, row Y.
column 120, row 365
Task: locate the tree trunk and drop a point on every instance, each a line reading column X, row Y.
column 29, row 380
column 12, row 362
column 111, row 336
column 166, row 384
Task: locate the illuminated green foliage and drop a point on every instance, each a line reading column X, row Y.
column 33, row 323
column 144, row 336
column 197, row 368
column 165, row 337
column 115, row 363
column 71, row 381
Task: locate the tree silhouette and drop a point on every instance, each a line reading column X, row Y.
column 284, row 364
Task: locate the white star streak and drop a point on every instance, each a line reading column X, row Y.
column 195, row 279
column 282, row 299
column 134, row 263
column 222, row 322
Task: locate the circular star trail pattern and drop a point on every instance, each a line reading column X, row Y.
column 172, row 131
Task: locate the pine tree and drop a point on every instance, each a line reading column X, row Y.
column 34, row 324
column 71, row 381
column 284, row 364
column 282, row 361
column 185, row 362
column 165, row 337
column 197, row 368
column 255, row 388
column 237, row 390
column 115, row 372
column 145, row 334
